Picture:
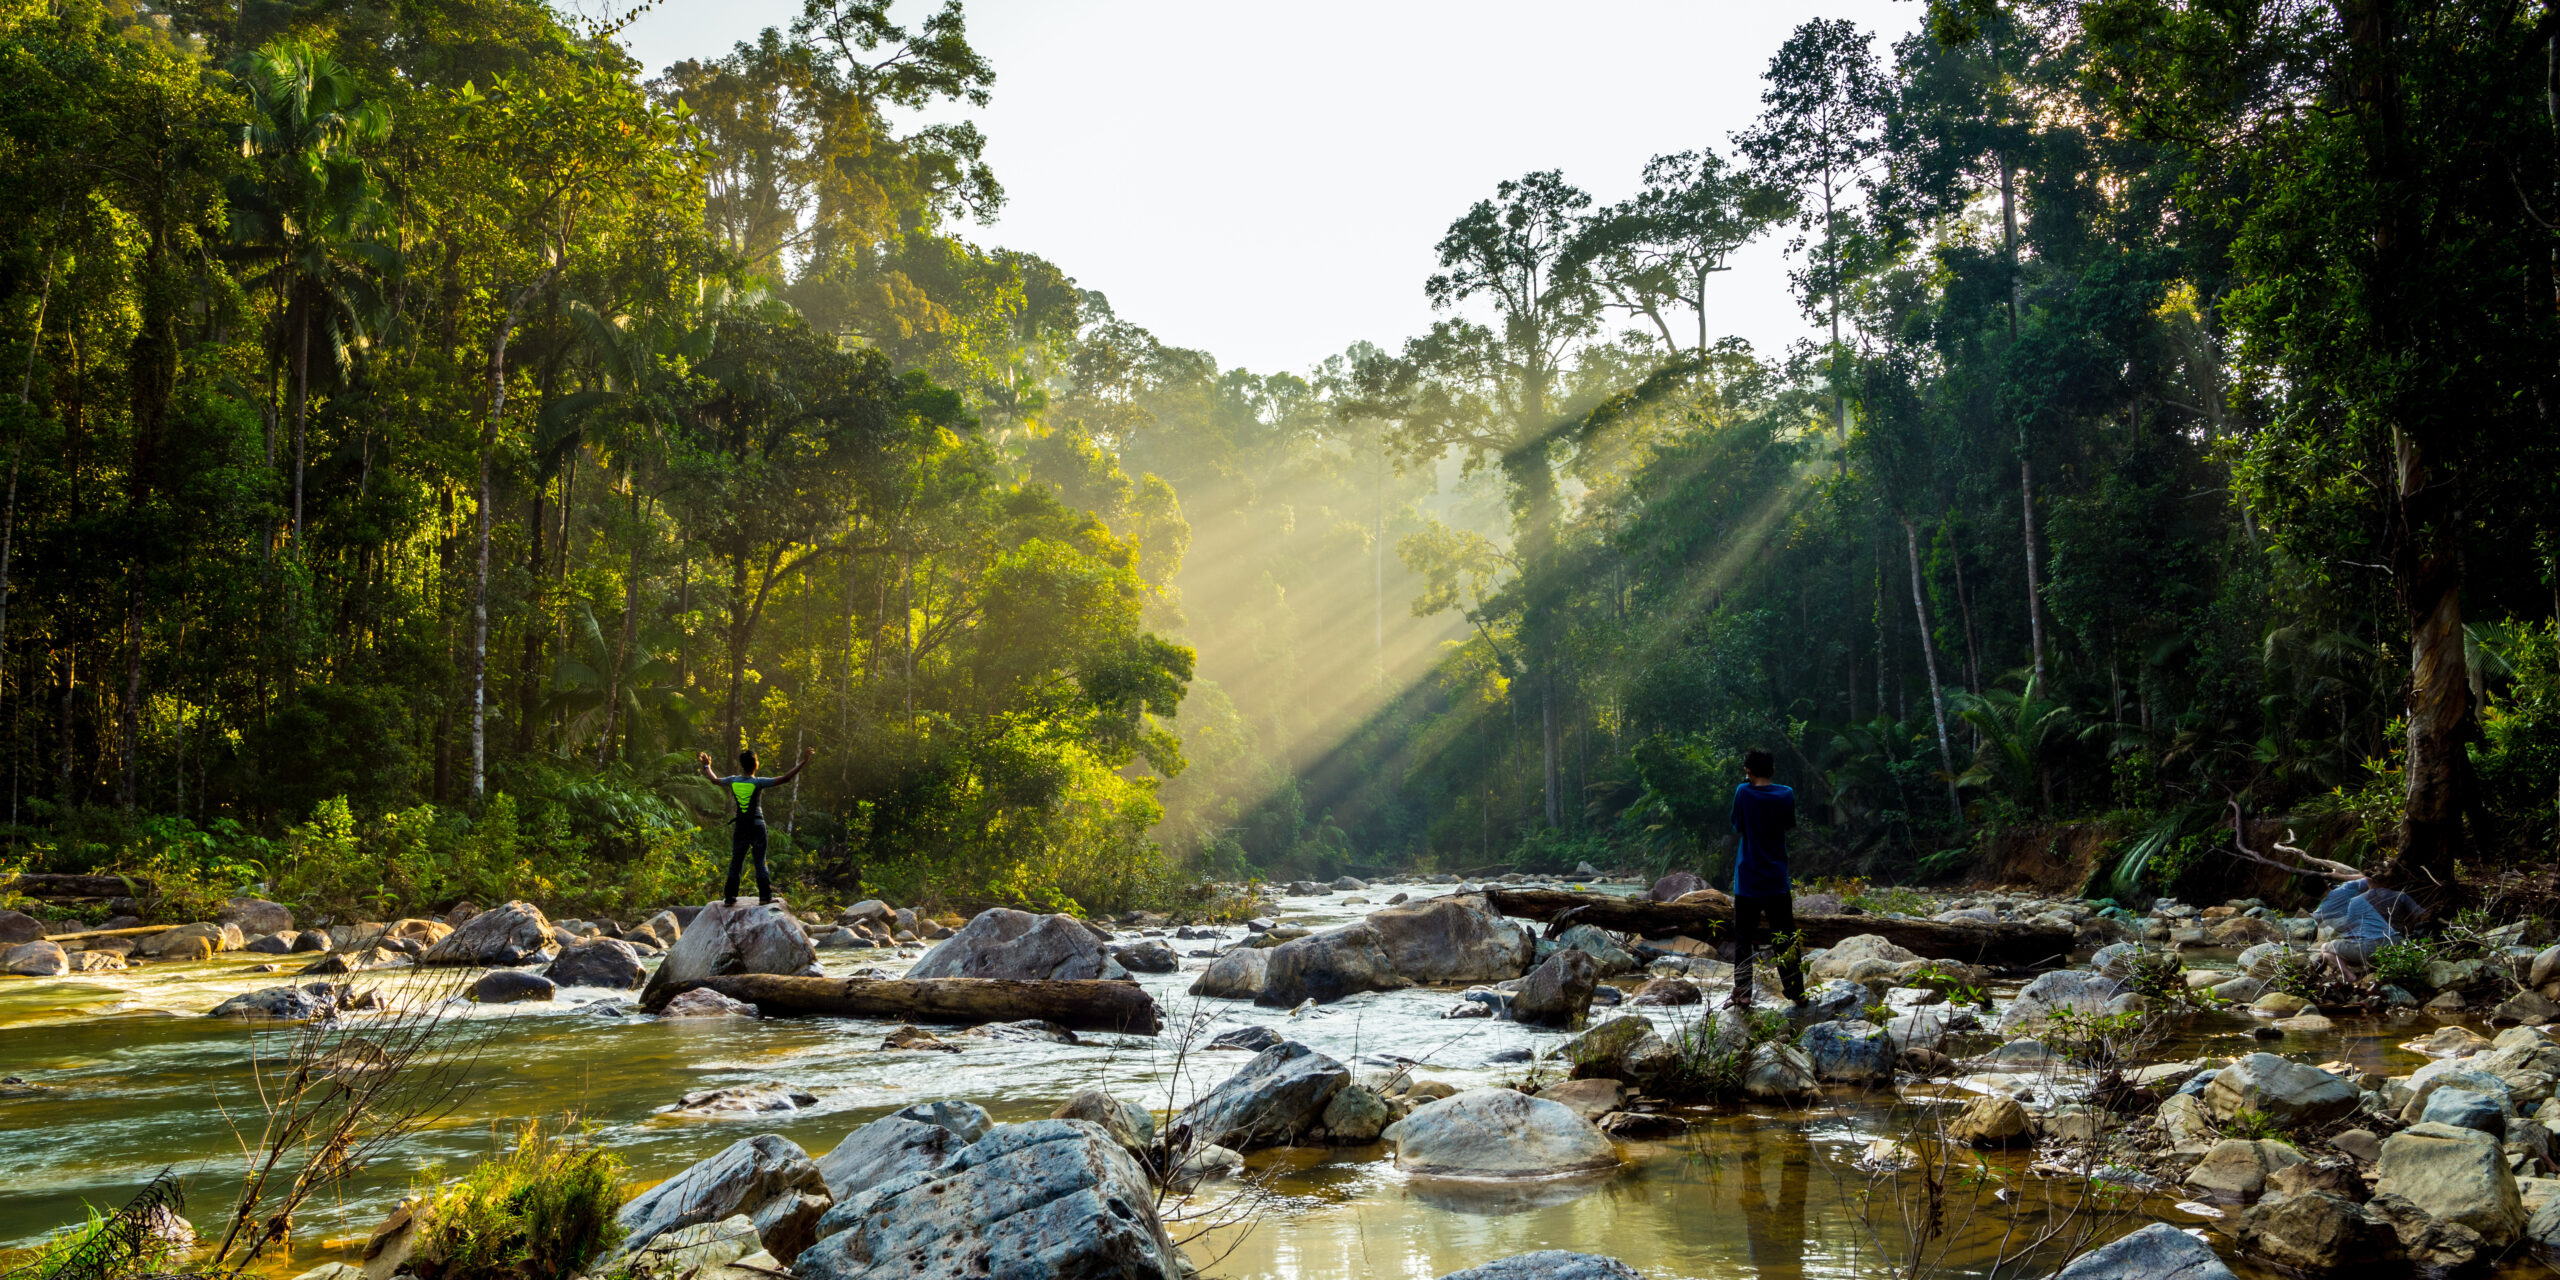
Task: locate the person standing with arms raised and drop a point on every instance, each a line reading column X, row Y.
column 1764, row 904
column 746, row 825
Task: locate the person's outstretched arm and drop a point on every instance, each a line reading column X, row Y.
column 704, row 759
column 807, row 754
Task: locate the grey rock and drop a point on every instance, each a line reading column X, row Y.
column 2156, row 1252
column 1850, row 1052
column 35, row 960
column 2236, row 1169
column 1253, row 1039
column 1004, row 943
column 2289, row 1092
column 747, row 1099
column 1450, row 939
column 767, row 1177
column 1026, row 1031
column 1149, row 956
column 190, row 940
column 1327, row 966
column 1047, row 1200
column 1237, row 975
column 1558, row 992
column 311, row 940
column 2467, row 1109
column 1274, row 1098
column 2076, row 990
column 516, row 933
column 272, row 944
column 884, row 1150
column 17, row 927
column 2455, row 1175
column 313, row 1000
column 702, row 1002
column 722, row 940
column 967, row 1119
column 598, row 962
column 511, row 986
column 1596, row 942
column 1623, row 1048
column 1838, row 1000
column 1777, row 1072
column 1130, row 1125
column 1498, row 1133
column 1550, row 1264
column 255, row 915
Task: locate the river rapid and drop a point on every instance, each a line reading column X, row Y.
column 134, row 1079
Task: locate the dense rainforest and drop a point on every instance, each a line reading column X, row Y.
column 426, row 428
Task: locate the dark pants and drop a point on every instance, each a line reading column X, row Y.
column 743, row 837
column 1767, row 919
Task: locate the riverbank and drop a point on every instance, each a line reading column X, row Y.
column 125, row 1075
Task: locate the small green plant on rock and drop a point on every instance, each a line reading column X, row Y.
column 2257, row 1126
column 542, row 1211
column 2100, row 1040
column 2402, row 963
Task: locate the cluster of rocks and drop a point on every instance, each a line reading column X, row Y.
column 873, row 924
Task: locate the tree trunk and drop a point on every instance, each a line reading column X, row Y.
column 301, row 414
column 2426, row 561
column 1937, row 692
column 2035, row 587
column 1707, row 913
column 1547, row 742
column 732, row 708
column 480, row 586
column 630, row 634
column 1089, row 1005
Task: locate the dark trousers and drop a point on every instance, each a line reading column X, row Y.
column 743, row 837
column 1769, row 919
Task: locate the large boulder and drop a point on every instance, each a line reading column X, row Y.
column 1047, row 1200
column 1003, row 943
column 295, row 1004
column 35, row 960
column 2288, row 1092
column 598, row 962
column 1268, row 1102
column 516, row 933
column 1778, row 1072
column 1130, row 1125
column 2317, row 1233
column 2237, row 1169
column 1325, row 967
column 512, row 986
column 2156, row 1252
column 18, row 926
column 747, row 938
column 1993, row 1120
column 1558, row 992
column 255, row 915
column 1623, row 1048
column 768, row 1178
column 1603, row 948
column 1237, row 975
column 1498, row 1133
column 1670, row 888
column 191, row 941
column 1451, row 939
column 2456, row 1175
column 889, row 1148
column 1551, row 1264
column 1850, row 1052
column 1844, row 958
column 2076, row 990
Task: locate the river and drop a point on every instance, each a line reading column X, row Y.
column 135, row 1078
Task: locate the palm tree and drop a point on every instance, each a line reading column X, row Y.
column 310, row 211
column 641, row 702
column 2020, row 731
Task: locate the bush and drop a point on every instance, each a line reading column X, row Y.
column 542, row 1211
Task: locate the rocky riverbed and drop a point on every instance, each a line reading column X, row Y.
column 1391, row 1110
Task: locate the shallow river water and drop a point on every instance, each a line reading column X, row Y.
column 137, row 1080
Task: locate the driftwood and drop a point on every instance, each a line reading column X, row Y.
column 1085, row 1005
column 1708, row 912
column 134, row 932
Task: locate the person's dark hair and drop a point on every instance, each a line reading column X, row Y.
column 747, row 761
column 1760, row 764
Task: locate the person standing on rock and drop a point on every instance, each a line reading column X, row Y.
column 1764, row 904
column 746, row 826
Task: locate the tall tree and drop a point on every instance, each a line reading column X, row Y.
column 1818, row 133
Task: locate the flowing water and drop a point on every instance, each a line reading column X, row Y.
column 136, row 1079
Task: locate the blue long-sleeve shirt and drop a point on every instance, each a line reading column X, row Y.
column 1762, row 815
column 2347, row 912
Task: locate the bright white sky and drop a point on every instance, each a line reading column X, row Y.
column 1266, row 180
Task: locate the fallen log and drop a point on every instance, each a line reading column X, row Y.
column 45, row 884
column 134, row 932
column 1083, row 1004
column 1705, row 914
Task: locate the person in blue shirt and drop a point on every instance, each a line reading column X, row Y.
column 746, row 826
column 2358, row 927
column 1764, row 905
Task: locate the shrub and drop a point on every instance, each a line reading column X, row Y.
column 2402, row 964
column 542, row 1211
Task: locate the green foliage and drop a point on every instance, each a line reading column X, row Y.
column 543, row 1210
column 2402, row 963
column 2100, row 1040
column 2257, row 1126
